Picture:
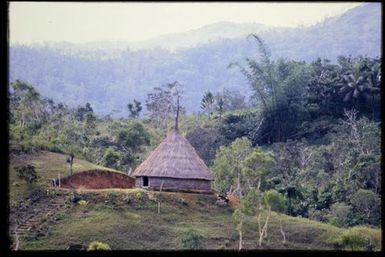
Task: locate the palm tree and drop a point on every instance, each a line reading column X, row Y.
column 374, row 79
column 207, row 103
column 357, row 81
column 375, row 74
column 260, row 74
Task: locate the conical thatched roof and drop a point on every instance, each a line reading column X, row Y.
column 174, row 158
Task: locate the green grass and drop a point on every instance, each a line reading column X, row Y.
column 136, row 225
column 128, row 219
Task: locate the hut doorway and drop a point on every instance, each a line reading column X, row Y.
column 145, row 181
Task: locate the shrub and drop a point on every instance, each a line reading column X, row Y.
column 75, row 196
column 367, row 205
column 83, row 204
column 28, row 173
column 140, row 195
column 112, row 196
column 111, row 158
column 136, row 196
column 97, row 245
column 353, row 239
column 192, row 240
column 183, row 201
column 341, row 214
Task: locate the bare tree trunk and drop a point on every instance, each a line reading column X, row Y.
column 282, row 232
column 264, row 229
column 230, row 192
column 16, row 238
column 259, row 221
column 259, row 184
column 240, row 237
column 239, row 185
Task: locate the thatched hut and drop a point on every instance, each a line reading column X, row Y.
column 176, row 165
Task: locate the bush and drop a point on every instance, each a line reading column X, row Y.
column 112, row 196
column 192, row 240
column 28, row 173
column 341, row 215
column 353, row 239
column 83, row 204
column 111, row 158
column 136, row 196
column 96, row 246
column 75, row 196
column 367, row 205
column 183, row 201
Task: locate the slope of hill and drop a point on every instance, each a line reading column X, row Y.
column 48, row 166
column 356, row 32
column 109, row 75
column 128, row 219
column 206, row 34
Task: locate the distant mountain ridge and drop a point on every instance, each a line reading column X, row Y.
column 111, row 74
column 206, row 34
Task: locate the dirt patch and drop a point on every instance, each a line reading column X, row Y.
column 97, row 179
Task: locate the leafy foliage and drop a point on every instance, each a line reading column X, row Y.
column 353, row 239
column 27, row 173
column 192, row 240
column 39, row 124
column 134, row 108
column 98, row 246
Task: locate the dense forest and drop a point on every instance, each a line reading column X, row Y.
column 109, row 75
column 307, row 144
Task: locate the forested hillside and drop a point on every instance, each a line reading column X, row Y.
column 293, row 143
column 312, row 133
column 110, row 75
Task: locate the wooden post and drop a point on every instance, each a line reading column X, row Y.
column 160, row 191
column 59, row 181
column 177, row 112
column 71, row 162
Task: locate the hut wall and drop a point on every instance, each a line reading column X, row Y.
column 176, row 184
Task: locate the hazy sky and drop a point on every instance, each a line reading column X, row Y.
column 85, row 22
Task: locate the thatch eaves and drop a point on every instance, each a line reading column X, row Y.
column 174, row 158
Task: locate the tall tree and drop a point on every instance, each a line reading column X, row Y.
column 230, row 100
column 227, row 167
column 273, row 201
column 82, row 111
column 28, row 105
column 247, row 208
column 162, row 103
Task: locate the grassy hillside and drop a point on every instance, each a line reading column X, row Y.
column 48, row 166
column 128, row 219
